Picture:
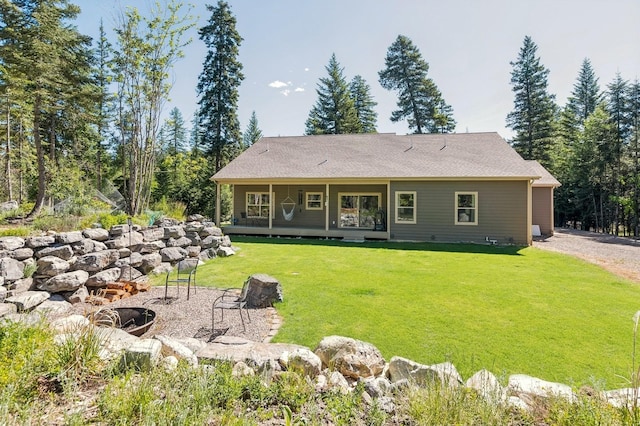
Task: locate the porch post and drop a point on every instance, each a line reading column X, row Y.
column 326, row 210
column 386, row 225
column 272, row 206
column 218, row 203
column 529, row 212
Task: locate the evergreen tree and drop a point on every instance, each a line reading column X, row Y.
column 534, row 110
column 364, row 104
column 586, row 94
column 618, row 109
column 175, row 133
column 218, row 85
column 419, row 100
column 253, row 132
column 47, row 61
column 334, row 112
column 103, row 78
column 633, row 97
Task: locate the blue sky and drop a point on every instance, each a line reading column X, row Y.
column 468, row 44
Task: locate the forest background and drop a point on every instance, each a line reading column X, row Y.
column 81, row 114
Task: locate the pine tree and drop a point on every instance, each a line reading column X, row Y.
column 419, row 100
column 47, row 61
column 175, row 132
column 334, row 112
column 586, row 94
column 218, row 85
column 534, row 109
column 364, row 104
column 253, row 132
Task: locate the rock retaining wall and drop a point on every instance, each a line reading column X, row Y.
column 71, row 265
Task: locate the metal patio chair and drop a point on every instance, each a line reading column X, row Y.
column 231, row 298
column 183, row 273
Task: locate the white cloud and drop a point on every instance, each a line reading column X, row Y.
column 306, row 69
column 286, row 92
column 278, row 84
column 299, row 89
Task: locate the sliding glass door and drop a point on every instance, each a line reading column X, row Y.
column 358, row 210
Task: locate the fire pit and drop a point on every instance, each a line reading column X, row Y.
column 135, row 321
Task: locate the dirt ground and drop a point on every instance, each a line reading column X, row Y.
column 619, row 255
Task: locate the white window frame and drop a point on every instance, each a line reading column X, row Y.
column 356, row 194
column 414, row 207
column 260, row 204
column 308, row 200
column 474, row 208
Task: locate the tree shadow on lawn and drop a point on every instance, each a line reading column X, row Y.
column 511, row 250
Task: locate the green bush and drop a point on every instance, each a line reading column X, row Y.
column 107, row 220
column 172, row 209
column 20, row 231
column 63, row 223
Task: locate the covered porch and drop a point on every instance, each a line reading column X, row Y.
column 339, row 210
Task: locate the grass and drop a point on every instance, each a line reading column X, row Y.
column 507, row 309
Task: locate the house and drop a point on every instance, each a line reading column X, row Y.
column 470, row 187
column 542, row 200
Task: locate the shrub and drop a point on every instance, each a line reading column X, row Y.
column 107, row 220
column 20, row 231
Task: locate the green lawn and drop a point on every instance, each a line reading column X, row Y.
column 507, row 309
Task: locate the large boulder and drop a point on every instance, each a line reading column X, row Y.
column 150, row 262
column 352, row 358
column 40, row 241
column 173, row 254
column 129, row 273
column 522, row 385
column 69, row 281
column 87, row 245
column 486, row 384
column 11, row 243
column 7, row 206
column 303, row 360
column 178, row 242
column 28, row 300
column 63, row 252
column 263, row 291
column 152, row 234
column 94, row 262
column 21, row 253
column 102, row 278
column 11, row 269
column 404, row 369
column 69, row 237
column 174, row 231
column 128, row 239
column 97, row 234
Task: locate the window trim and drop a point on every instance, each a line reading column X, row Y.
column 414, row 207
column 474, row 208
column 260, row 204
column 307, row 200
column 357, row 194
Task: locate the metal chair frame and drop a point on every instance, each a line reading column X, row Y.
column 185, row 274
column 231, row 299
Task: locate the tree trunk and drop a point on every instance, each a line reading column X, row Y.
column 8, row 151
column 42, row 172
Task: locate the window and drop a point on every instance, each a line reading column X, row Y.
column 466, row 208
column 358, row 210
column 258, row 204
column 314, row 201
column 406, row 207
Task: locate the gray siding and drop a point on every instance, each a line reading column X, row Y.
column 502, row 212
column 542, row 209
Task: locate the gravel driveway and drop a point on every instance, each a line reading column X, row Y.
column 620, row 255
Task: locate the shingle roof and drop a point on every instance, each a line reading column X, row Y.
column 546, row 179
column 383, row 156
